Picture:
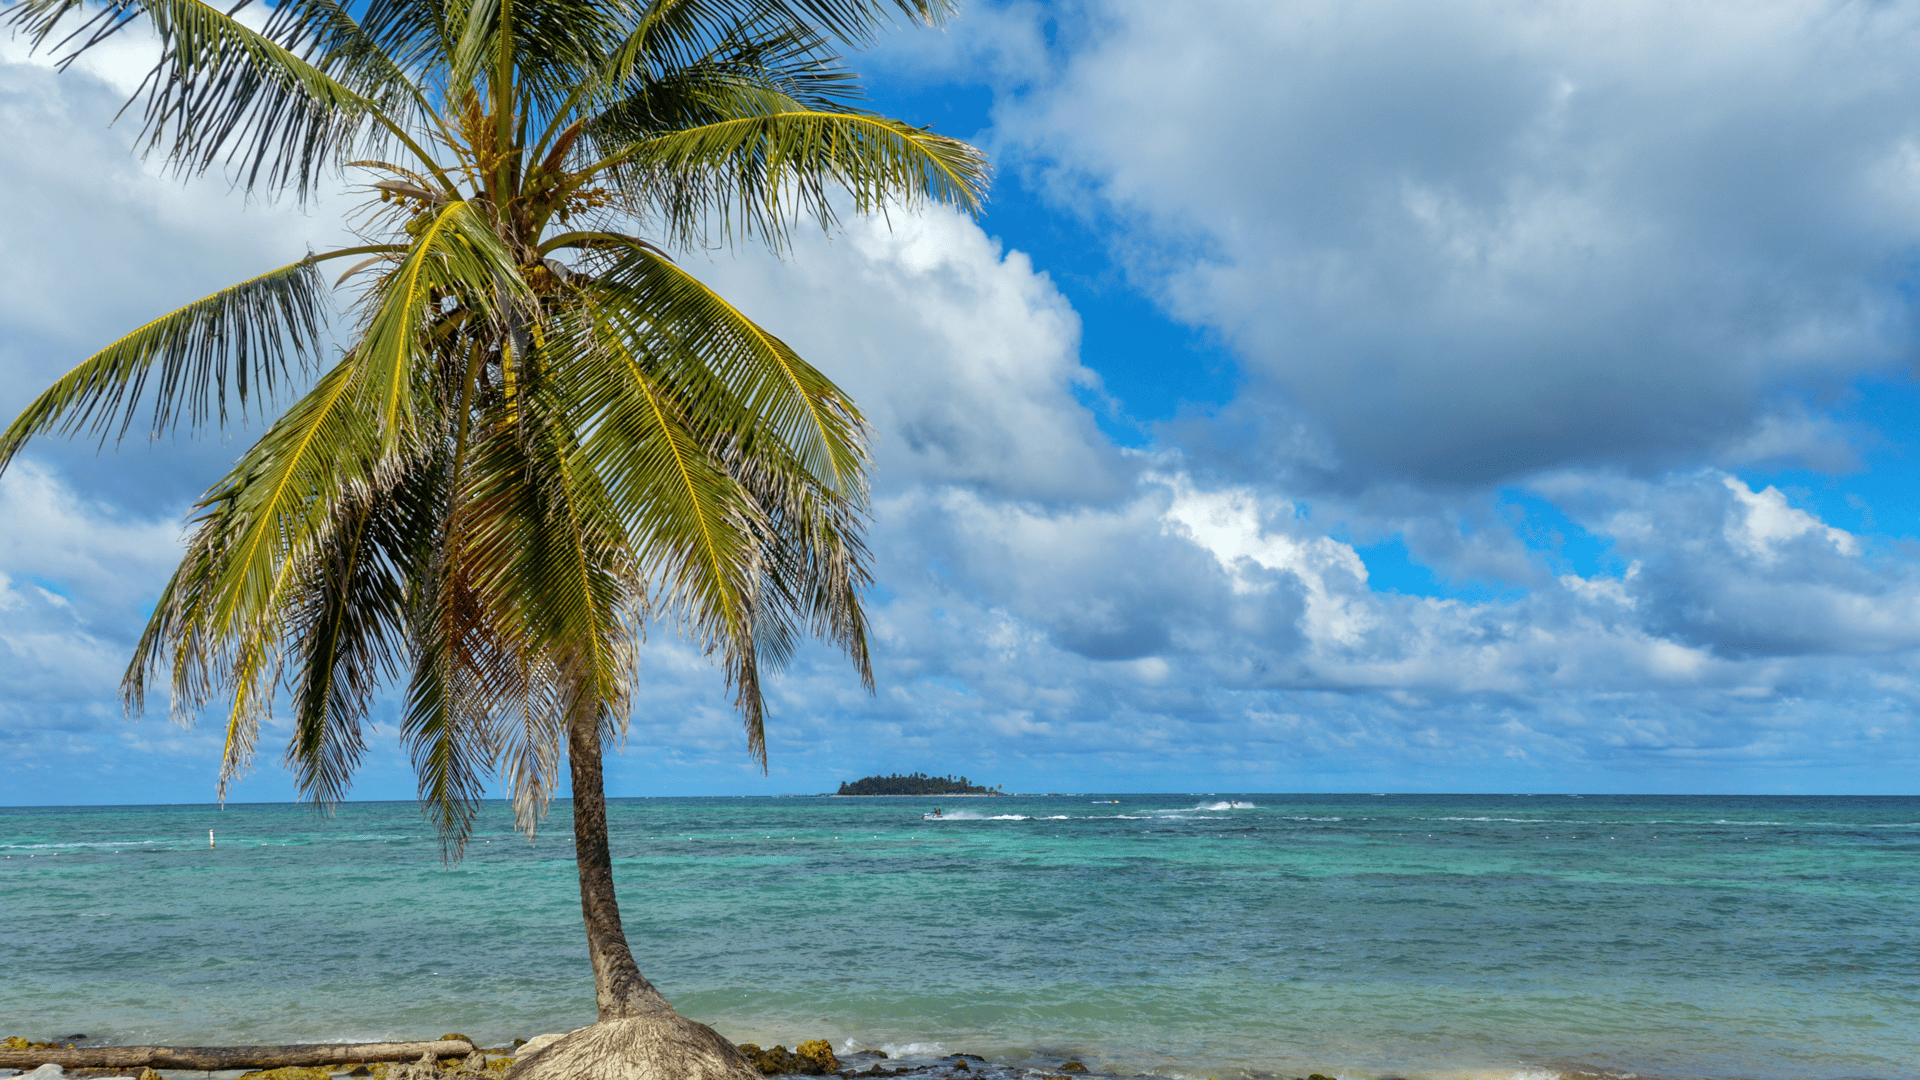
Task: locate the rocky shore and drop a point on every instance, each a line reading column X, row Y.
column 813, row 1057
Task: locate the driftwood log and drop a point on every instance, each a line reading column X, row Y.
column 209, row 1058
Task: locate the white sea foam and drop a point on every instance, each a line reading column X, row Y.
column 1533, row 1072
column 1783, row 824
column 88, row 844
column 176, row 843
column 969, row 815
column 1233, row 805
column 851, row 1046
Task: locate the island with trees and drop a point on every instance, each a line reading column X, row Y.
column 915, row 784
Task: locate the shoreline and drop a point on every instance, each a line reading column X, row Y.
column 860, row 1064
column 858, row 1061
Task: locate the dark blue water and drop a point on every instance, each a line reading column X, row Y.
column 1359, row 936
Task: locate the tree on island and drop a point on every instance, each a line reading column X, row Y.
column 542, row 433
column 912, row 784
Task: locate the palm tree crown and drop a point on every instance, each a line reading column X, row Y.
column 541, row 434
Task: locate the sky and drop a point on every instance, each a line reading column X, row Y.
column 1363, row 395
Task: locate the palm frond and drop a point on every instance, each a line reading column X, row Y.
column 280, row 495
column 326, row 34
column 241, row 340
column 348, row 625
column 225, row 617
column 677, row 57
column 456, row 261
column 677, row 322
column 445, row 728
column 415, row 34
column 694, row 531
column 479, row 667
column 223, row 91
column 852, row 21
column 762, row 171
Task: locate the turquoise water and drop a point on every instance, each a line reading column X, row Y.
column 1359, row 936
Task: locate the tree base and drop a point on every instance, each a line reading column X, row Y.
column 659, row 1045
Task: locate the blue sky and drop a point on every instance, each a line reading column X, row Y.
column 1375, row 395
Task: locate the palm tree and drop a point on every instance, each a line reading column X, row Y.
column 541, row 434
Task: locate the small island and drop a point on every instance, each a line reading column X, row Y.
column 914, row 784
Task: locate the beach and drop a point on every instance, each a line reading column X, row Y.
column 1186, row 936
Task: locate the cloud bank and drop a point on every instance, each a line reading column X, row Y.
column 1457, row 243
column 1533, row 295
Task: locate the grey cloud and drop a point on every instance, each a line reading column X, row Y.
column 73, row 577
column 1463, row 242
column 1744, row 572
column 1195, row 634
column 97, row 241
column 1003, row 43
column 998, row 697
column 964, row 356
column 1576, row 678
column 1105, row 584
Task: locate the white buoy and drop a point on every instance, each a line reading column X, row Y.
column 209, row 837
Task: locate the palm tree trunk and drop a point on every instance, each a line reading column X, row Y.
column 618, row 985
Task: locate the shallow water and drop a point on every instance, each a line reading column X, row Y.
column 1359, row 936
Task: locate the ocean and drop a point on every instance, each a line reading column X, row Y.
column 1186, row 936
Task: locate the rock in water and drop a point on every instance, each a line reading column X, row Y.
column 817, row 1053
column 811, row 1058
column 49, row 1071
column 660, row 1045
column 770, row 1062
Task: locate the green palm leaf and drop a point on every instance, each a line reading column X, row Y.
column 456, row 261
column 759, row 174
column 347, row 627
column 243, row 338
column 223, row 90
column 667, row 315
